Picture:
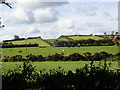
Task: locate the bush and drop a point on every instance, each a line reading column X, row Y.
column 90, row 77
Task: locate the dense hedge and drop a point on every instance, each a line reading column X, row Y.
column 60, row 57
column 89, row 42
column 10, row 45
column 90, row 77
column 14, row 40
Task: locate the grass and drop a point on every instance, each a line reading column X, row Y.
column 68, row 65
column 32, row 41
column 50, row 40
column 52, row 50
column 85, row 37
column 60, row 39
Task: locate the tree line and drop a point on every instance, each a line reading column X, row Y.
column 60, row 57
column 10, row 45
column 88, row 42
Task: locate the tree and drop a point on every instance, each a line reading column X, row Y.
column 16, row 37
column 105, row 33
column 116, row 33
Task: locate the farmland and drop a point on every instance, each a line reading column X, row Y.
column 32, row 41
column 51, row 50
column 69, row 65
column 85, row 37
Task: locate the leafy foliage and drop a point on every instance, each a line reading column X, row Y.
column 90, row 77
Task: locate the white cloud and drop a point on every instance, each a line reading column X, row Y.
column 45, row 15
column 64, row 23
column 18, row 16
column 32, row 12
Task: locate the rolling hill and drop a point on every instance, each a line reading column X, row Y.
column 32, row 41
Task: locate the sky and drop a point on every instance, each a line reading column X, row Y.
column 52, row 19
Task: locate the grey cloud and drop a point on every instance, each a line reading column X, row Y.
column 108, row 16
column 52, row 4
column 89, row 10
column 36, row 5
column 26, row 13
column 34, row 31
column 20, row 16
column 93, row 24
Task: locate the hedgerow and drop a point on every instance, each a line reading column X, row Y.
column 90, row 77
column 61, row 57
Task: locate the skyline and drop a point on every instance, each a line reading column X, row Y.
column 52, row 19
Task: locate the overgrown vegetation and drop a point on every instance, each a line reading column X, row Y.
column 90, row 77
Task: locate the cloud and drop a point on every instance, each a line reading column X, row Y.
column 30, row 4
column 32, row 12
column 5, row 37
column 64, row 23
column 19, row 16
column 93, row 24
column 45, row 16
column 106, row 14
column 110, row 17
column 87, row 9
column 33, row 30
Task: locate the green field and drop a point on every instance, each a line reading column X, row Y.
column 60, row 39
column 32, row 41
column 68, row 65
column 85, row 37
column 51, row 50
column 50, row 40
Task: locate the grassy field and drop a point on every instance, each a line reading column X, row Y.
column 32, row 41
column 85, row 37
column 50, row 40
column 60, row 39
column 51, row 50
column 69, row 65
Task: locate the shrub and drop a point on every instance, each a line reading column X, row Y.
column 90, row 77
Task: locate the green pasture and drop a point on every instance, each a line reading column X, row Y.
column 52, row 50
column 68, row 65
column 85, row 37
column 63, row 39
column 32, row 41
column 60, row 39
column 50, row 40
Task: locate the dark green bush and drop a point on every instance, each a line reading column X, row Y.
column 90, row 77
column 60, row 57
